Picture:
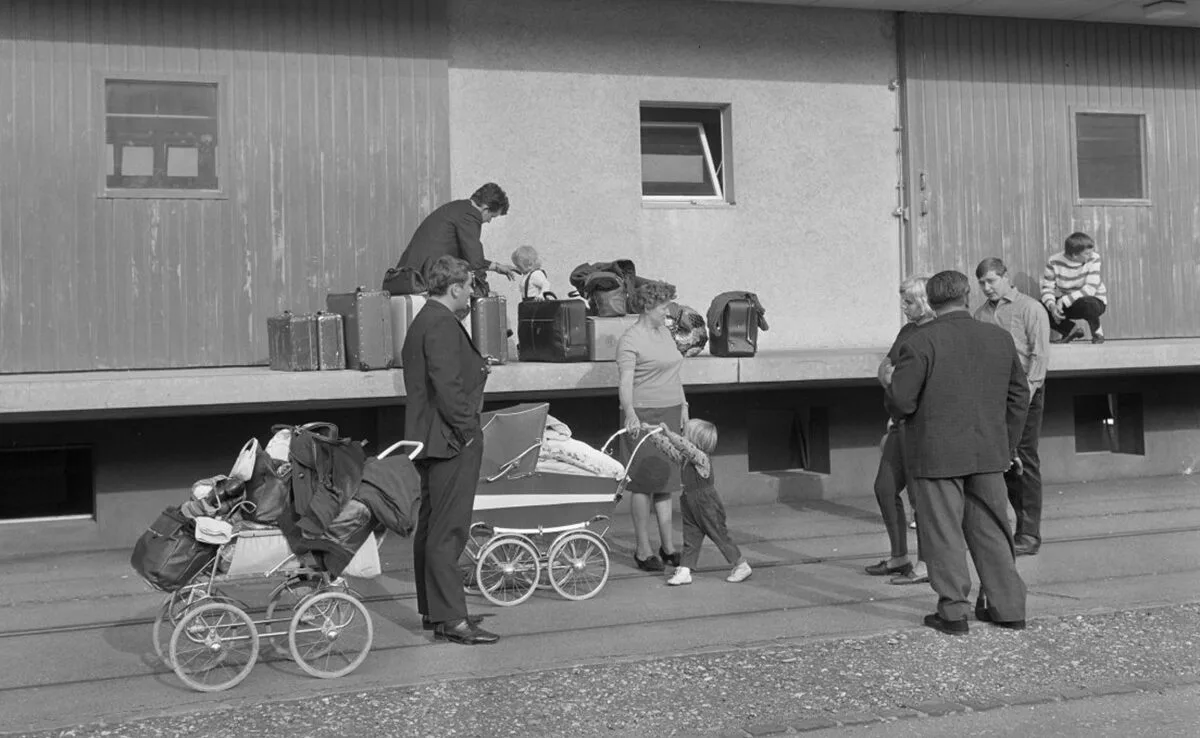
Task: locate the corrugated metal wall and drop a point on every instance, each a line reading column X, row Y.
column 990, row 168
column 336, row 140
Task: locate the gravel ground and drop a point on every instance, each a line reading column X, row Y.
column 713, row 693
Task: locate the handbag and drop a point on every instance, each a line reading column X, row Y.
column 168, row 555
column 403, row 280
column 267, row 489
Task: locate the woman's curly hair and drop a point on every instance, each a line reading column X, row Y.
column 652, row 293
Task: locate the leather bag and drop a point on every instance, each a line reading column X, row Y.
column 267, row 489
column 168, row 555
column 403, row 281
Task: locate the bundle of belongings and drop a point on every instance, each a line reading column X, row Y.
column 309, row 498
column 562, row 454
column 687, row 328
column 607, row 286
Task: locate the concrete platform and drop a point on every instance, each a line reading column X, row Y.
column 132, row 393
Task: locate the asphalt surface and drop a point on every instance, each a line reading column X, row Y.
column 808, row 642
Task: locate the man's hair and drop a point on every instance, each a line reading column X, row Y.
column 1077, row 243
column 914, row 287
column 491, row 197
column 652, row 293
column 702, row 433
column 526, row 259
column 445, row 272
column 948, row 288
column 991, row 264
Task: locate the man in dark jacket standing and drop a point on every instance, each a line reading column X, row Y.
column 444, row 377
column 454, row 230
column 961, row 389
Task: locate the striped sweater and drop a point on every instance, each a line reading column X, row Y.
column 1066, row 280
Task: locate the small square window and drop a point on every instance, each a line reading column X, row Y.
column 684, row 153
column 1110, row 156
column 161, row 135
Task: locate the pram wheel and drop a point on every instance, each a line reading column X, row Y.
column 330, row 634
column 214, row 646
column 578, row 565
column 173, row 608
column 283, row 603
column 507, row 571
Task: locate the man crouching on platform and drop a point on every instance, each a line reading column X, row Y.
column 961, row 389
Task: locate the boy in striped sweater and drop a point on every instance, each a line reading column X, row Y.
column 1072, row 289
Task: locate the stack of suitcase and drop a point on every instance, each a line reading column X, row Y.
column 304, row 343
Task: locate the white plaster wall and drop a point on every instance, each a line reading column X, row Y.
column 544, row 99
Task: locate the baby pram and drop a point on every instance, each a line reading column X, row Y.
column 535, row 527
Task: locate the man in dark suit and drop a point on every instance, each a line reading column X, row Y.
column 454, row 230
column 444, row 377
column 961, row 390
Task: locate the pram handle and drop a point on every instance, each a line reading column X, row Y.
column 514, row 462
column 418, row 447
column 645, row 436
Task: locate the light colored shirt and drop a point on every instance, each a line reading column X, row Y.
column 1029, row 325
column 535, row 285
column 655, row 360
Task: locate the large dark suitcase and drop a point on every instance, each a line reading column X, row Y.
column 489, row 327
column 740, row 334
column 331, row 341
column 552, row 330
column 293, row 342
column 367, row 322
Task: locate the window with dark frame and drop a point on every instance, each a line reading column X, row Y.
column 683, row 156
column 1110, row 155
column 161, row 135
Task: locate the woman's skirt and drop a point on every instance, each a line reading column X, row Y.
column 652, row 472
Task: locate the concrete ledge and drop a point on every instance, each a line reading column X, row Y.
column 113, row 394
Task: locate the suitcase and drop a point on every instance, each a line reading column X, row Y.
column 603, row 335
column 552, row 330
column 367, row 322
column 404, row 309
column 489, row 327
column 293, row 342
column 740, row 334
column 331, row 342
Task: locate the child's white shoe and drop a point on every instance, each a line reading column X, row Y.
column 682, row 575
column 740, row 573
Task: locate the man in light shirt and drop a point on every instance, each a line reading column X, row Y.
column 1029, row 325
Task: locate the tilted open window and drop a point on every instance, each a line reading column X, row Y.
column 685, row 153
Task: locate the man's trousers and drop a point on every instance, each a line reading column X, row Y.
column 1025, row 489
column 444, row 520
column 964, row 514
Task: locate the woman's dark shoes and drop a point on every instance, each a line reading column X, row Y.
column 949, row 627
column 427, row 624
column 882, row 569
column 651, row 563
column 463, row 632
column 671, row 558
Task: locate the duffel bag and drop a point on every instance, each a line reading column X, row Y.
column 167, row 555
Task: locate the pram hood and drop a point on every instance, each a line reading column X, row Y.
column 510, row 432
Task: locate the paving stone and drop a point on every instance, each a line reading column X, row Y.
column 982, row 705
column 856, row 718
column 817, row 723
column 1109, row 689
column 1075, row 693
column 897, row 713
column 1149, row 685
column 938, row 709
column 766, row 729
column 1040, row 698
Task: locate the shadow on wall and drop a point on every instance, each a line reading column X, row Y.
column 672, row 38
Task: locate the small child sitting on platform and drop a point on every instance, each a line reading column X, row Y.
column 534, row 284
column 703, row 513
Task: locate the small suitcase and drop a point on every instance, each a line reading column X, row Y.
column 489, row 327
column 293, row 342
column 552, row 330
column 404, row 309
column 603, row 335
column 740, row 334
column 367, row 322
column 331, row 340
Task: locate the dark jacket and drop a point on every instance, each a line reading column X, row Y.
column 444, row 377
column 960, row 388
column 893, row 356
column 391, row 488
column 451, row 230
column 716, row 311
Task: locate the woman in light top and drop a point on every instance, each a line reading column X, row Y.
column 651, row 392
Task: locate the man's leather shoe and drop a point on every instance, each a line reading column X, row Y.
column 463, row 632
column 983, row 616
column 427, row 624
column 949, row 627
column 882, row 569
column 1026, row 546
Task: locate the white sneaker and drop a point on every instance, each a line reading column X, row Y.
column 740, row 573
column 682, row 575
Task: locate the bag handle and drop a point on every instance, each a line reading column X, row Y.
column 330, row 430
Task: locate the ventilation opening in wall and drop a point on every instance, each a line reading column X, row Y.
column 788, row 438
column 46, row 483
column 1109, row 423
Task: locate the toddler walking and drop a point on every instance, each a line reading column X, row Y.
column 703, row 513
column 534, row 284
